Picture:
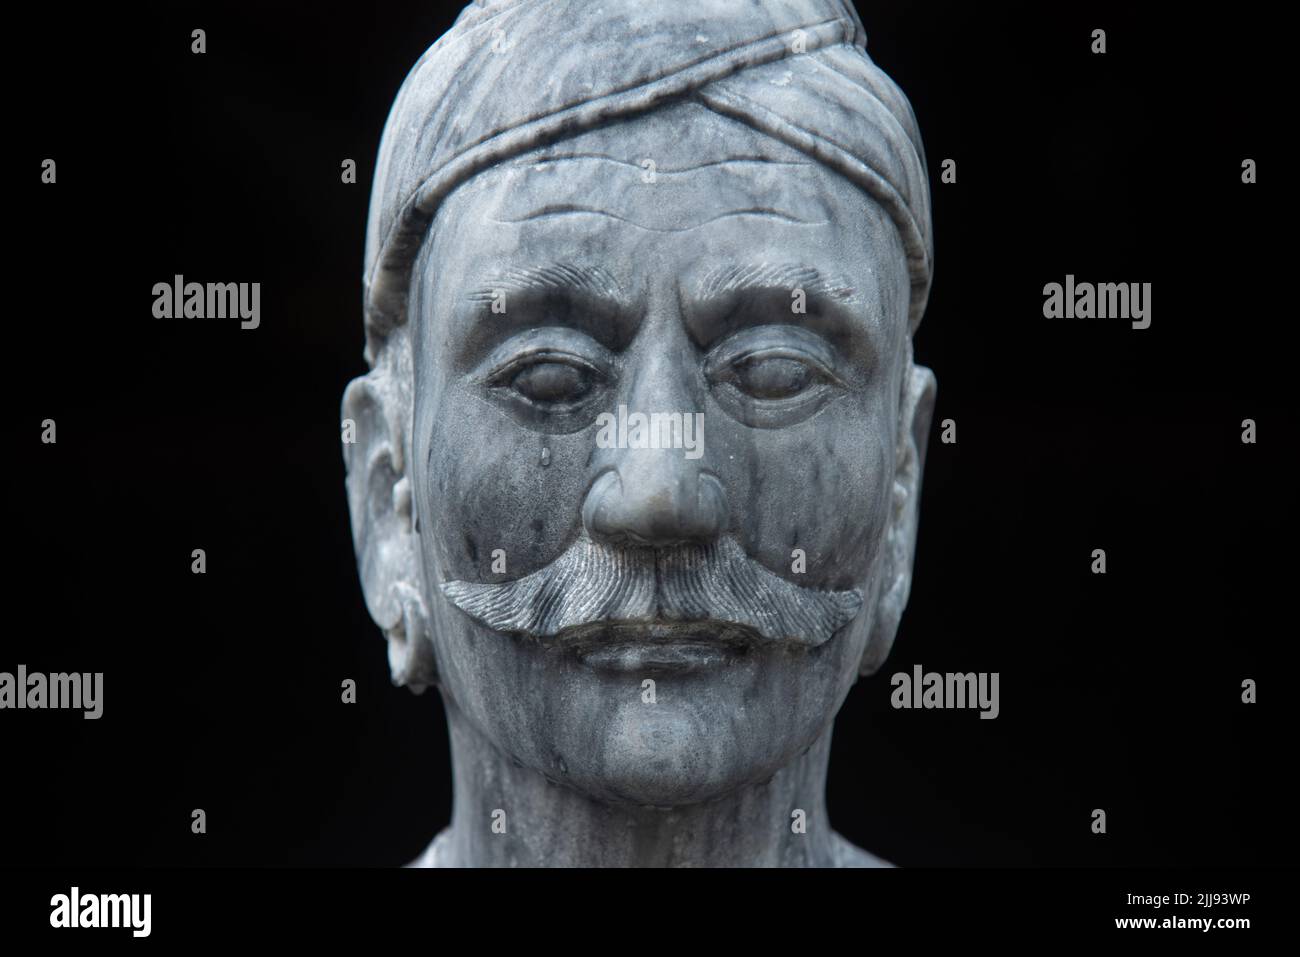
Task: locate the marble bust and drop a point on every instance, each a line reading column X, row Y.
column 634, row 474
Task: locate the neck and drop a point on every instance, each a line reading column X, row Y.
column 549, row 825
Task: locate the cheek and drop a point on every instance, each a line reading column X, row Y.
column 503, row 501
column 823, row 488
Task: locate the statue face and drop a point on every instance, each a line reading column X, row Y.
column 730, row 277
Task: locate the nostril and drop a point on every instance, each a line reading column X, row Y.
column 604, row 493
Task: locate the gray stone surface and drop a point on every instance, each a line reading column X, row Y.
column 582, row 212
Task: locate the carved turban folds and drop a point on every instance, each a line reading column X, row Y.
column 514, row 75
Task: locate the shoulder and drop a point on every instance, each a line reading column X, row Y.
column 846, row 854
column 437, row 854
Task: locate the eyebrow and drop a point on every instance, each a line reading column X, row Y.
column 554, row 277
column 786, row 277
column 584, row 297
column 731, row 296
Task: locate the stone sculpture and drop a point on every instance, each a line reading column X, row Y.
column 636, row 467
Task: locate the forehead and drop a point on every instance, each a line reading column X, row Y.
column 670, row 197
column 672, row 171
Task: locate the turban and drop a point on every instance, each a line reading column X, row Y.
column 514, row 75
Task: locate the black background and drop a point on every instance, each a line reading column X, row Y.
column 222, row 691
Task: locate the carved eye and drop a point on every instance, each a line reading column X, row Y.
column 769, row 377
column 772, row 377
column 548, row 379
column 551, row 382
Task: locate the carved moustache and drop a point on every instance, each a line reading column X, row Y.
column 595, row 585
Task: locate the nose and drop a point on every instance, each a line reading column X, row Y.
column 657, row 493
column 655, row 497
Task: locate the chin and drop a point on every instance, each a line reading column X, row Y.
column 705, row 736
column 662, row 756
column 705, row 731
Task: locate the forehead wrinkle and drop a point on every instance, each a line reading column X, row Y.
column 573, row 209
column 659, row 170
column 687, row 187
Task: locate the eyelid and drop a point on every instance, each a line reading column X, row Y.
column 777, row 342
column 518, row 363
column 555, row 344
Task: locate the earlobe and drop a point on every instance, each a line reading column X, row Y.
column 899, row 549
column 383, row 524
column 410, row 646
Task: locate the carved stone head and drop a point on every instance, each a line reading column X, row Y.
column 637, row 463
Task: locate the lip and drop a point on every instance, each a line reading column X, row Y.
column 658, row 647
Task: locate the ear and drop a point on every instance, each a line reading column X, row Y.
column 916, row 409
column 383, row 525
